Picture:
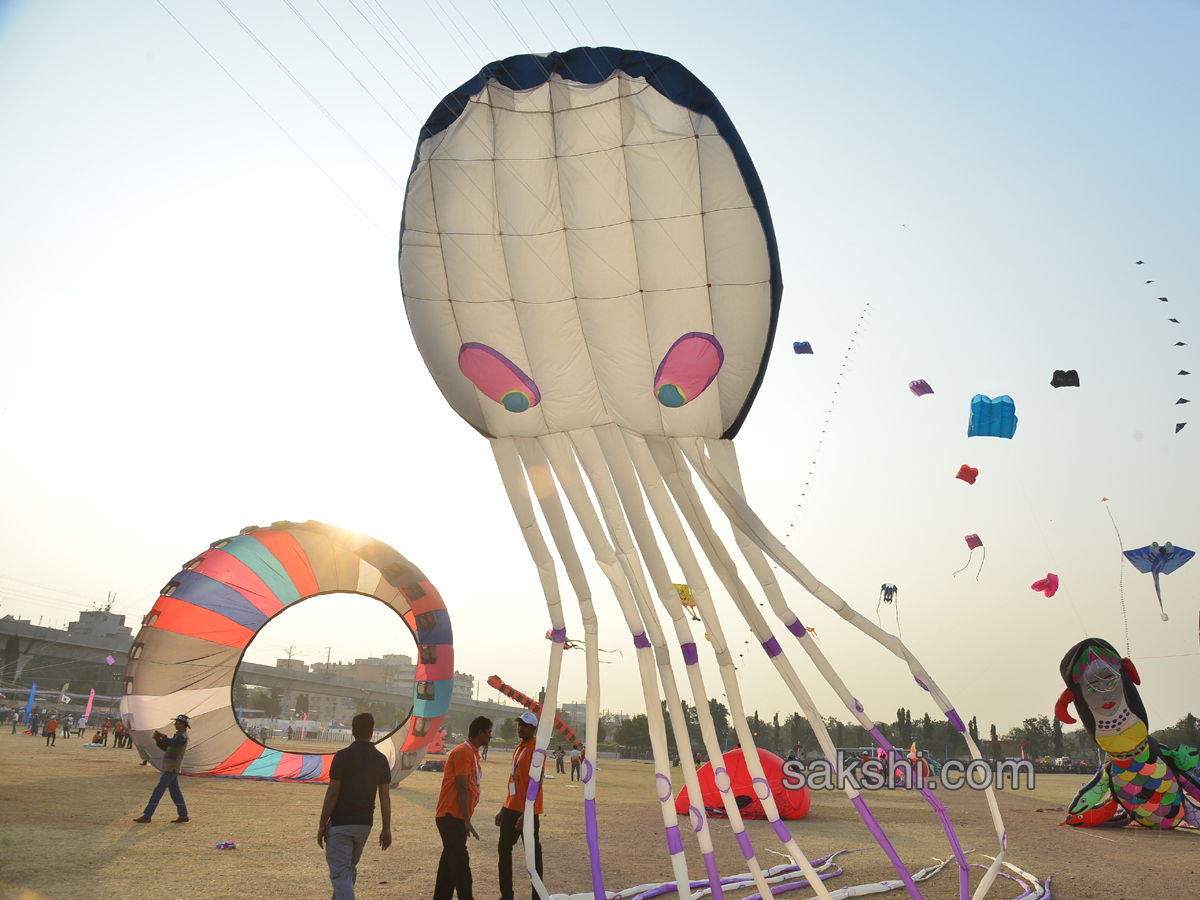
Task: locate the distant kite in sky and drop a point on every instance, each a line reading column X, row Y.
column 1047, row 585
column 1163, row 299
column 992, row 418
column 685, row 597
column 802, row 347
column 1182, row 400
column 1179, row 426
column 1158, row 559
column 1176, row 321
column 920, row 387
column 1069, row 378
column 1184, row 372
column 973, row 544
column 1150, row 281
column 967, row 473
column 889, row 594
column 1180, row 344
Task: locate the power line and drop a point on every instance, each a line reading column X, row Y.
column 317, row 103
column 263, row 109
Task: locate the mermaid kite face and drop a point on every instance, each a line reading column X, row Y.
column 1105, row 696
column 585, row 250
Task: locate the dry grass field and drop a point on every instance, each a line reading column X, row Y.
column 66, row 831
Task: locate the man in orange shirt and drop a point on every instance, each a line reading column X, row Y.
column 456, row 804
column 511, row 818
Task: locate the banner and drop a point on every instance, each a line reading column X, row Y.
column 29, row 705
column 92, row 696
column 303, row 725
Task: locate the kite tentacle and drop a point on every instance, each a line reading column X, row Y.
column 675, row 473
column 509, row 463
column 743, row 518
column 725, row 457
column 591, row 458
column 725, row 567
column 567, row 472
column 630, row 461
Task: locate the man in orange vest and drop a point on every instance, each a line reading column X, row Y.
column 511, row 818
column 456, row 805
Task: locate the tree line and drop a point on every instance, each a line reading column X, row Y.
column 1037, row 736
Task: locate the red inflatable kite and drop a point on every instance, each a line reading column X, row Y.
column 792, row 804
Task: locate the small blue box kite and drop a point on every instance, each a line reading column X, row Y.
column 992, row 418
column 802, row 347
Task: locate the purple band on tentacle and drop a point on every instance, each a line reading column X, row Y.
column 964, row 877
column 766, row 788
column 772, row 647
column 532, row 791
column 714, row 875
column 674, row 841
column 882, row 840
column 743, row 840
column 640, row 640
column 781, row 830
column 690, row 656
column 559, row 635
column 878, row 738
column 858, row 706
column 698, row 818
column 921, row 684
column 956, row 720
column 797, row 628
column 593, row 842
column 943, row 816
column 587, row 771
column 664, row 786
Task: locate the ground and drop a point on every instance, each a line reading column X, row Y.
column 66, row 831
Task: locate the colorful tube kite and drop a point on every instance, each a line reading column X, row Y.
column 591, row 274
column 186, row 655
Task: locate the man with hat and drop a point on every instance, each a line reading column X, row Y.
column 511, row 818
column 173, row 749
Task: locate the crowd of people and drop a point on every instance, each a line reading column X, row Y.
column 45, row 722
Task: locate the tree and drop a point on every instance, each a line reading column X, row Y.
column 601, row 730
column 775, row 731
column 973, row 728
column 927, row 729
column 720, row 717
column 634, row 732
column 301, row 704
column 1058, row 738
column 508, row 729
column 274, row 703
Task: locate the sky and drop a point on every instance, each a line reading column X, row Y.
column 202, row 328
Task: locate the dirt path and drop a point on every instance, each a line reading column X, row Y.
column 66, row 832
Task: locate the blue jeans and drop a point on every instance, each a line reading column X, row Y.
column 343, row 847
column 168, row 781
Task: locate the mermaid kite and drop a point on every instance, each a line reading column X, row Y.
column 1143, row 782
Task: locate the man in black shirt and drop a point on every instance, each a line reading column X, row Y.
column 348, row 811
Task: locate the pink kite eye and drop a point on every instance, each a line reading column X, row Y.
column 688, row 368
column 498, row 377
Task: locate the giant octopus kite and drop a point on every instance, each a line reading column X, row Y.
column 1143, row 782
column 591, row 275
